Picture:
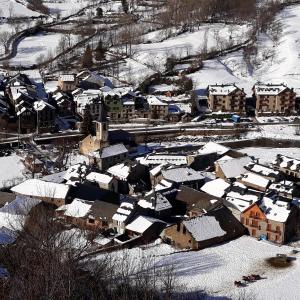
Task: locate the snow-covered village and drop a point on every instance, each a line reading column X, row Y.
column 149, row 149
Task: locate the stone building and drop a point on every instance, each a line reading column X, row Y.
column 226, row 98
column 274, row 99
column 271, row 220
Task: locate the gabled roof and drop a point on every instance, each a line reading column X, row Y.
column 181, row 175
column 222, row 89
column 142, row 223
column 38, row 188
column 269, row 89
column 113, row 150
column 77, row 209
column 234, row 167
column 213, row 147
column 215, row 187
column 99, row 178
column 204, row 228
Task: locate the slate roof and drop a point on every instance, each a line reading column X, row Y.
column 180, row 175
column 204, row 228
column 234, row 167
column 113, row 150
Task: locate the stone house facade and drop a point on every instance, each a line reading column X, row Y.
column 226, row 98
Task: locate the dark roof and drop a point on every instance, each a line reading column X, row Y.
column 91, row 192
column 113, row 150
column 6, row 198
column 103, row 209
column 119, row 136
column 196, row 199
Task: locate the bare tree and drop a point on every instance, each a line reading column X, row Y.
column 4, row 40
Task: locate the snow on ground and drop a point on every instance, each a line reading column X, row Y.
column 33, row 47
column 283, row 66
column 12, row 8
column 189, row 43
column 267, row 155
column 11, row 171
column 65, row 7
column 215, row 269
column 280, row 132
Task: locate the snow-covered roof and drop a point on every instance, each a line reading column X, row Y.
column 287, row 162
column 75, row 172
column 269, row 89
column 241, row 201
column 234, row 167
column 159, row 204
column 183, row 174
column 283, row 187
column 41, row 105
column 39, row 188
column 158, row 159
column 221, row 89
column 99, row 178
column 254, row 179
column 153, row 100
column 215, row 187
column 277, row 211
column 120, row 170
column 141, row 224
column 212, row 147
column 113, row 150
column 77, row 209
column 67, row 77
column 262, row 170
column 156, row 170
column 204, row 228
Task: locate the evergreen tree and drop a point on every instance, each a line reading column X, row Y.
column 87, row 58
column 100, row 51
column 87, row 126
column 99, row 11
column 125, row 6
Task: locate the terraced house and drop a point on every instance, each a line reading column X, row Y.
column 274, row 99
column 226, row 98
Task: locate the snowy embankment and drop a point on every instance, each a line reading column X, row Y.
column 275, row 62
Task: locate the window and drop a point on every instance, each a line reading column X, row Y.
column 269, row 227
column 253, row 232
column 178, row 227
column 257, row 214
column 277, row 228
column 91, row 221
column 247, row 221
column 184, row 230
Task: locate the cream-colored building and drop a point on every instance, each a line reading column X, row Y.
column 158, row 109
column 67, row 82
column 226, row 98
column 274, row 99
column 100, row 140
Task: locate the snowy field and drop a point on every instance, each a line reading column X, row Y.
column 277, row 63
column 11, row 170
column 215, row 269
column 33, row 47
column 65, row 7
column 11, row 8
